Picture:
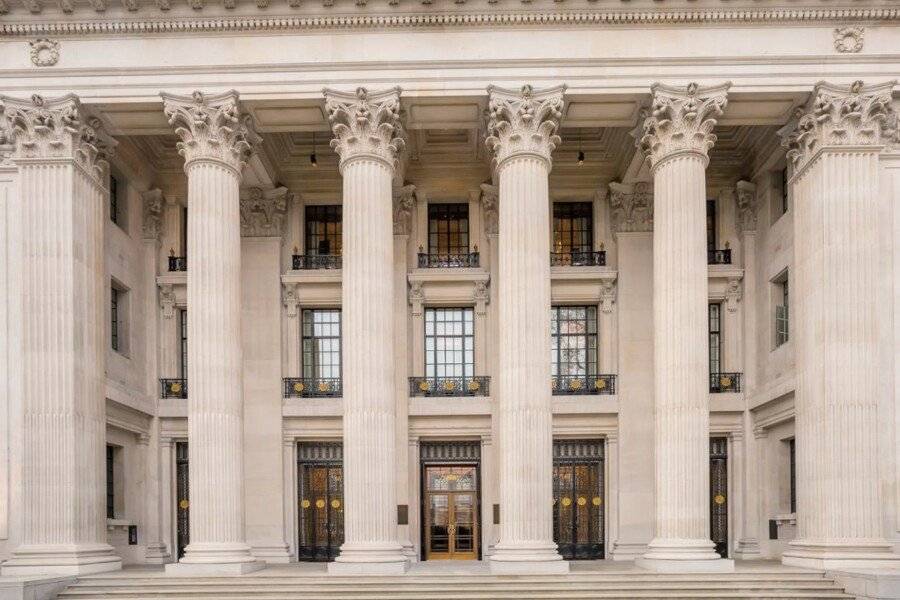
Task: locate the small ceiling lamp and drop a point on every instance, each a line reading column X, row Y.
column 580, row 157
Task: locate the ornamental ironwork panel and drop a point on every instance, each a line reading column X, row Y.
column 178, row 263
column 578, row 499
column 182, row 497
column 718, row 494
column 720, row 383
column 448, row 261
column 450, row 452
column 312, row 387
column 173, row 388
column 321, row 500
column 578, row 259
column 583, row 384
column 309, row 262
column 718, row 257
column 449, row 386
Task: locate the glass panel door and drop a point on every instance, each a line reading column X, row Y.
column 451, row 513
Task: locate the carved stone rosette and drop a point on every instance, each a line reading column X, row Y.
column 854, row 115
column 631, row 206
column 264, row 212
column 523, row 122
column 681, row 119
column 745, row 195
column 404, row 200
column 366, row 124
column 212, row 128
column 58, row 128
column 151, row 223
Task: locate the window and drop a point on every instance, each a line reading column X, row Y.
column 784, row 191
column 782, row 324
column 324, row 230
column 184, row 230
column 449, row 342
column 114, row 319
column 573, row 343
column 710, row 225
column 448, row 229
column 793, row 473
column 182, row 328
column 573, row 227
column 715, row 338
column 322, row 343
column 110, row 482
column 117, row 202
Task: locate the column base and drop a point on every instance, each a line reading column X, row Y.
column 683, row 556
column 369, row 559
column 627, row 551
column 277, row 553
column 875, row 554
column 527, row 559
column 28, row 561
column 215, row 559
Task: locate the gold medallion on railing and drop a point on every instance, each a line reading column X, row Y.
column 320, row 503
column 298, row 386
column 582, row 501
column 600, row 384
column 596, row 501
column 719, row 499
column 725, row 381
column 304, row 503
column 474, row 386
column 183, row 504
column 423, row 386
column 566, row 501
column 176, row 387
column 449, row 385
column 576, row 384
column 335, row 503
column 324, row 386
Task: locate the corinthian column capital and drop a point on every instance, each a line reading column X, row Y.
column 211, row 128
column 681, row 119
column 853, row 115
column 523, row 122
column 43, row 128
column 366, row 124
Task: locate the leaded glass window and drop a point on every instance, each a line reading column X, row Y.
column 715, row 338
column 573, row 227
column 324, row 230
column 322, row 343
column 449, row 342
column 573, row 340
column 448, row 229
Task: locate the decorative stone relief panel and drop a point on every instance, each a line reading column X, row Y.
column 490, row 201
column 631, row 206
column 44, row 52
column 152, row 223
column 745, row 195
column 404, row 200
column 264, row 212
column 848, row 39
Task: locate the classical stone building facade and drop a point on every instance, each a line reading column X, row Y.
column 386, row 282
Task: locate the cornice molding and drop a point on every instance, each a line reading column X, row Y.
column 593, row 16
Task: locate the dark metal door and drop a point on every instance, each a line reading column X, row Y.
column 182, row 498
column 321, row 500
column 578, row 490
column 718, row 494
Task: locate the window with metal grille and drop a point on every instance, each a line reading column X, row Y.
column 715, row 337
column 782, row 324
column 785, row 203
column 183, row 341
column 792, row 449
column 324, row 227
column 110, row 482
column 573, row 340
column 573, row 227
column 114, row 318
column 115, row 204
column 448, row 229
column 449, row 342
column 322, row 343
column 710, row 225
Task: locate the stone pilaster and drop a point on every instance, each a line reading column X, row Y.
column 522, row 137
column 677, row 134
column 63, row 171
column 368, row 139
column 833, row 151
column 216, row 141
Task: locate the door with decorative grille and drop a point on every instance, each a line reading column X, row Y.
column 182, row 498
column 320, row 474
column 718, row 494
column 578, row 499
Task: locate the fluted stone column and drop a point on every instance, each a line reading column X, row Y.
column 677, row 134
column 216, row 141
column 522, row 136
column 61, row 155
column 838, row 323
column 368, row 138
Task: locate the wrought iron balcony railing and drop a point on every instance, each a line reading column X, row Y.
column 578, row 259
column 449, row 386
column 308, row 262
column 312, row 387
column 447, row 261
column 724, row 383
column 178, row 263
column 719, row 257
column 583, row 384
column 173, row 388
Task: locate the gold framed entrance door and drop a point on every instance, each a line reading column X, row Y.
column 451, row 512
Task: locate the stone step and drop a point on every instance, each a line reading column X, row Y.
column 561, row 594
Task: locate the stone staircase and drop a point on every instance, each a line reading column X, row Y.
column 621, row 585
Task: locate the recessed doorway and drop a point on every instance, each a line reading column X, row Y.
column 451, row 501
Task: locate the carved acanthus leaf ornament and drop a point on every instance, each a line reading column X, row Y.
column 58, row 128
column 854, row 115
column 404, row 200
column 681, row 119
column 264, row 212
column 212, row 127
column 366, row 124
column 523, row 122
